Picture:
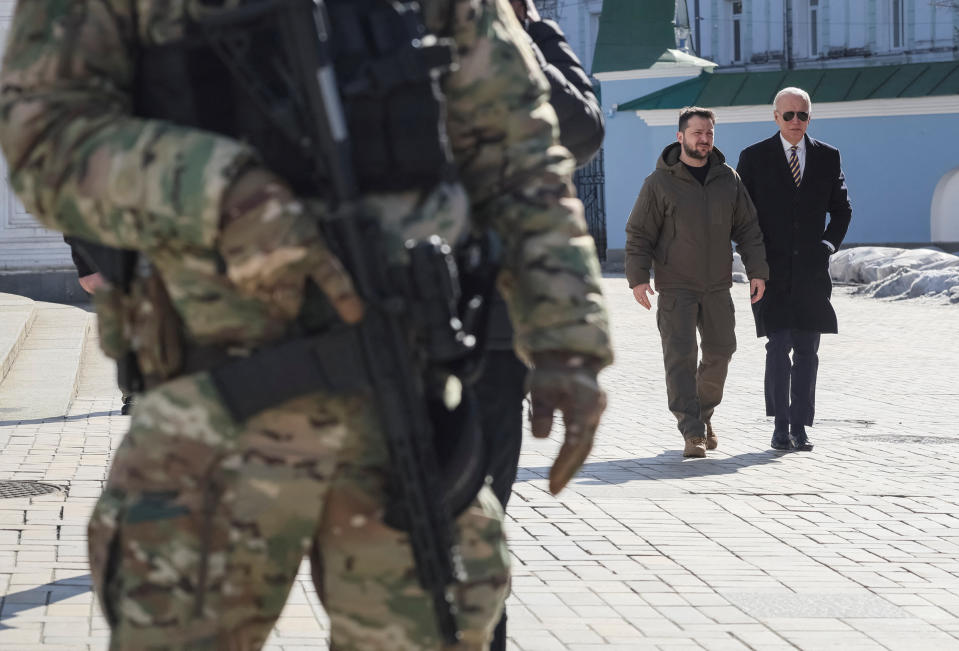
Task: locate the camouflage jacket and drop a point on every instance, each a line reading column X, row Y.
column 83, row 164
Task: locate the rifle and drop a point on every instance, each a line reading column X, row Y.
column 406, row 354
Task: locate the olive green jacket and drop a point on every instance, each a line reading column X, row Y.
column 682, row 228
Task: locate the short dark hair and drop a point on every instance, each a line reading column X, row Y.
column 694, row 111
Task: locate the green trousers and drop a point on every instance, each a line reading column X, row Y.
column 694, row 392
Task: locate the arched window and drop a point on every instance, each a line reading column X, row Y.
column 944, row 218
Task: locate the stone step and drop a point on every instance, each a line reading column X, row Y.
column 17, row 314
column 43, row 380
column 97, row 392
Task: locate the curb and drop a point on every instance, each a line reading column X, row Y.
column 17, row 314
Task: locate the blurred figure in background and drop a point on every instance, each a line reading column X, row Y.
column 91, row 280
column 501, row 388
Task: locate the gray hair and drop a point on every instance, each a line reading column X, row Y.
column 792, row 90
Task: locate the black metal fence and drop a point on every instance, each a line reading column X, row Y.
column 589, row 181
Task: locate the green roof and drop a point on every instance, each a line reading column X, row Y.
column 633, row 34
column 824, row 85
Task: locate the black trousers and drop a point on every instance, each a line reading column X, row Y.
column 500, row 390
column 791, row 384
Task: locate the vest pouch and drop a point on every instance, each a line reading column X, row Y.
column 112, row 321
column 156, row 328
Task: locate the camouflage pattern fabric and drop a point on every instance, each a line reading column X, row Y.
column 198, row 536
column 196, row 540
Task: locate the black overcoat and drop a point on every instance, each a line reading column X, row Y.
column 793, row 221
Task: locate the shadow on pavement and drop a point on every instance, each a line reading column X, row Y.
column 53, row 419
column 666, row 465
column 17, row 602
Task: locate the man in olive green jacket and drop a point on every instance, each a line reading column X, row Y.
column 687, row 212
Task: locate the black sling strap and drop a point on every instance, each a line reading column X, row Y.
column 271, row 376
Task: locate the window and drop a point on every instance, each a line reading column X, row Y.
column 813, row 28
column 737, row 32
column 898, row 24
column 591, row 43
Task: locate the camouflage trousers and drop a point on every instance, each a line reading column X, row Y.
column 198, row 535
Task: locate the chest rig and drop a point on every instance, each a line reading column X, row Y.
column 233, row 73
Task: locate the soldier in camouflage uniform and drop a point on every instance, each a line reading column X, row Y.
column 203, row 523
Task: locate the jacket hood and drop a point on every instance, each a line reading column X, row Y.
column 670, row 157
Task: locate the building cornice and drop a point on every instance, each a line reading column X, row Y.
column 650, row 73
column 943, row 104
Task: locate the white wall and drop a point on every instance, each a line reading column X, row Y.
column 579, row 20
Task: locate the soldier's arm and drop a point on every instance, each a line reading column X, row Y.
column 504, row 136
column 78, row 160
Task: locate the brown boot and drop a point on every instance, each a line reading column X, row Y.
column 695, row 447
column 712, row 441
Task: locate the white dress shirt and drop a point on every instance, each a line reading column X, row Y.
column 801, row 155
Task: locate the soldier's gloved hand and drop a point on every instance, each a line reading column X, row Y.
column 271, row 245
column 567, row 382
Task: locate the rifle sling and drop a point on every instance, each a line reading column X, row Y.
column 273, row 375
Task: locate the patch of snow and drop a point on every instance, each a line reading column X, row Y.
column 887, row 272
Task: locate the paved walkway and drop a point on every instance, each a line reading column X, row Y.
column 852, row 546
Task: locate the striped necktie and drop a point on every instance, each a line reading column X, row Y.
column 794, row 165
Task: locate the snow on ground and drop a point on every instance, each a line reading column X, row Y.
column 886, row 272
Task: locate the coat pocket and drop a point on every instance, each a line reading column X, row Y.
column 103, row 544
column 666, row 238
column 158, row 557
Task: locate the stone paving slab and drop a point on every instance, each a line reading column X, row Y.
column 852, row 546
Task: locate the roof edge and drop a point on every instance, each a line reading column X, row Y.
column 886, row 107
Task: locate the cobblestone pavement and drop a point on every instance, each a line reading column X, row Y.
column 852, row 546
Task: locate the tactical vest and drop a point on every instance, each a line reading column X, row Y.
column 229, row 75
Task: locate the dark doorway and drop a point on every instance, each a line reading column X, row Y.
column 589, row 181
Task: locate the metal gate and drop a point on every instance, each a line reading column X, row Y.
column 589, row 187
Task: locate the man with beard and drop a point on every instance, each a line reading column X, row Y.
column 688, row 210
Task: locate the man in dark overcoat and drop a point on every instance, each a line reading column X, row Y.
column 794, row 181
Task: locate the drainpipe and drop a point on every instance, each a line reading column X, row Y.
column 696, row 20
column 788, row 33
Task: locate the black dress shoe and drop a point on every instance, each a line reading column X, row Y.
column 780, row 441
column 799, row 442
